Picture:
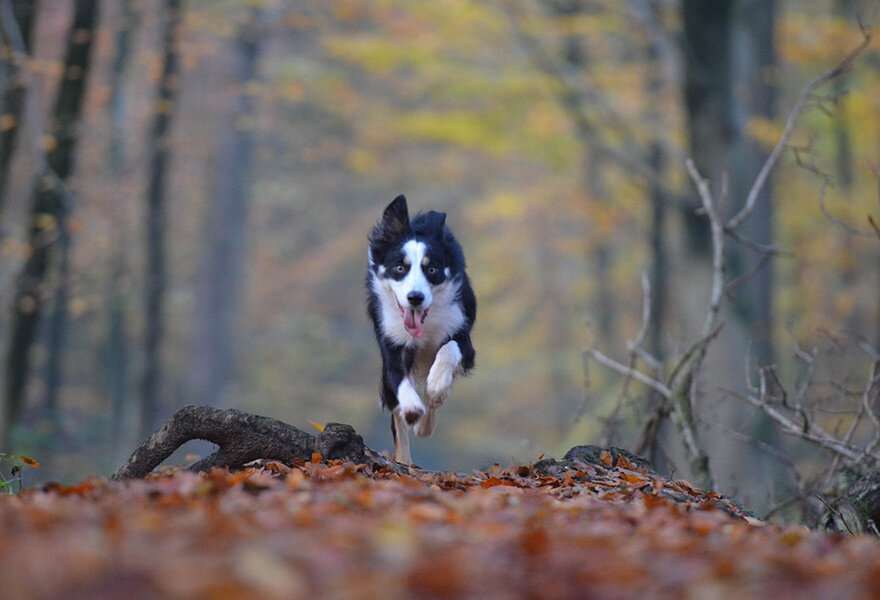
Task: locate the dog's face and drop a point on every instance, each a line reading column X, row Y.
column 409, row 259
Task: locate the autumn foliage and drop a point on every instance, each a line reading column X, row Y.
column 340, row 530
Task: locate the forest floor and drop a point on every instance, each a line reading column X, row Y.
column 339, row 530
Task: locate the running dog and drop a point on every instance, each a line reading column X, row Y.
column 420, row 301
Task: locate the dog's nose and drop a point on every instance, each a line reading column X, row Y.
column 415, row 298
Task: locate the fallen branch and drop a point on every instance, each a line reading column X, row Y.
column 243, row 438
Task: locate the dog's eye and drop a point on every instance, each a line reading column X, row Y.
column 432, row 270
column 399, row 269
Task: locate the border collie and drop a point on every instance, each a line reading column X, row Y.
column 422, row 307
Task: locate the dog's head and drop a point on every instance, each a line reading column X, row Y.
column 411, row 259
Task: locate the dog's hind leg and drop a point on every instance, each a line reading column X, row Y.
column 400, row 430
column 425, row 426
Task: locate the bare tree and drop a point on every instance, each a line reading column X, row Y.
column 18, row 19
column 754, row 61
column 50, row 205
column 678, row 386
column 221, row 277
column 156, row 266
column 115, row 347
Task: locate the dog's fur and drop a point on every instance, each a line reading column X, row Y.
column 422, row 307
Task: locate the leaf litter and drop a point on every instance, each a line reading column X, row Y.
column 340, row 530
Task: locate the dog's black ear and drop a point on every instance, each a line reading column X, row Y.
column 396, row 216
column 435, row 222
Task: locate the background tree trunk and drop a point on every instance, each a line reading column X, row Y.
column 711, row 105
column 49, row 207
column 708, row 98
column 754, row 63
column 222, row 274
column 58, row 319
column 655, row 85
column 115, row 347
column 156, row 267
column 576, row 60
column 14, row 90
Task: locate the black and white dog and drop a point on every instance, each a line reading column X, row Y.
column 422, row 307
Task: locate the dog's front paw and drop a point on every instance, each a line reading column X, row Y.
column 442, row 372
column 412, row 415
column 410, row 405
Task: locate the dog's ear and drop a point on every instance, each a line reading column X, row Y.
column 396, row 216
column 435, row 222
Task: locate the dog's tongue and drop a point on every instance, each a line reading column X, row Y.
column 412, row 322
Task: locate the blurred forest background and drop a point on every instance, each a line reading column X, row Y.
column 186, row 187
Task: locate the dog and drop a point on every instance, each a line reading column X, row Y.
column 422, row 306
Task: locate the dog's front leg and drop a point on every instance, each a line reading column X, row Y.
column 409, row 410
column 447, row 364
column 400, row 396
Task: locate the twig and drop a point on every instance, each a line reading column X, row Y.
column 635, row 345
column 758, row 185
column 572, row 101
column 869, row 399
column 874, row 225
column 717, row 247
column 846, row 227
column 811, row 433
column 731, row 285
column 649, row 381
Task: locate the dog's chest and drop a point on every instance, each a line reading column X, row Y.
column 424, row 358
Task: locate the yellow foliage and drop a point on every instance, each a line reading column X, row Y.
column 362, row 160
column 765, row 131
column 462, row 128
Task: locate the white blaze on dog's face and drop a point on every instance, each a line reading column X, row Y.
column 412, row 274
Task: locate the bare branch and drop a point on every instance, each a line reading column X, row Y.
column 717, row 247
column 635, row 345
column 846, row 227
column 874, row 225
column 758, row 185
column 869, row 401
column 612, row 364
column 571, row 98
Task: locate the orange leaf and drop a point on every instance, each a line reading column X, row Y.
column 491, row 482
column 632, row 478
column 624, row 463
column 31, row 462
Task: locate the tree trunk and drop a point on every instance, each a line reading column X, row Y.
column 659, row 275
column 58, row 318
column 14, row 92
column 156, row 267
column 49, row 205
column 115, row 348
column 222, row 273
column 708, row 96
column 844, row 11
column 712, row 132
column 754, row 61
column 575, row 61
